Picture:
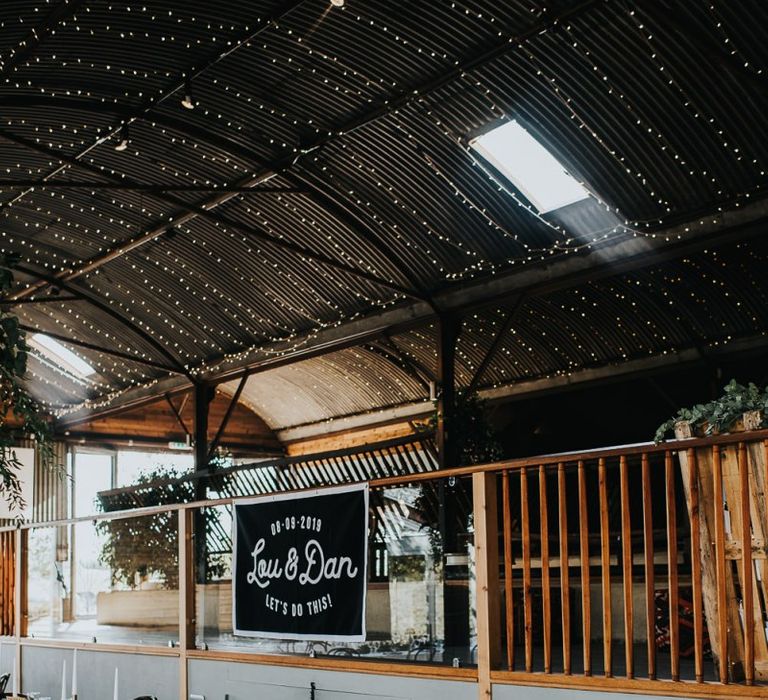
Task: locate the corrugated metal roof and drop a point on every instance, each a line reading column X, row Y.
column 365, row 112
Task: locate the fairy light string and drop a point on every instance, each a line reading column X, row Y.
column 315, row 296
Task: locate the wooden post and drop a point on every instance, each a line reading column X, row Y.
column 690, row 466
column 605, row 571
column 747, row 568
column 546, row 588
column 626, row 569
column 507, row 509
column 722, row 601
column 20, row 602
column 527, row 603
column 698, row 470
column 650, row 587
column 565, row 592
column 744, row 532
column 487, row 572
column 674, row 605
column 186, row 597
column 586, row 608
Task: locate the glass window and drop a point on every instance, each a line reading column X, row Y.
column 517, row 155
column 120, row 587
column 420, row 580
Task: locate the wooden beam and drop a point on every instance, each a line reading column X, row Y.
column 112, row 440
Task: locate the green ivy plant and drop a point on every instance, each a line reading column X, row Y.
column 721, row 414
column 475, row 439
column 475, row 442
column 21, row 416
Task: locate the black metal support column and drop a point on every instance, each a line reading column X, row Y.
column 203, row 395
column 453, row 525
column 448, row 332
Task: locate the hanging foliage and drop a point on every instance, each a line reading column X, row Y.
column 21, row 416
column 475, row 440
column 143, row 547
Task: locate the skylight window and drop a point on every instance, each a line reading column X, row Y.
column 61, row 356
column 529, row 166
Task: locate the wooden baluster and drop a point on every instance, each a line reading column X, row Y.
column 698, row 604
column 527, row 606
column 650, row 587
column 746, row 554
column 626, row 548
column 508, row 570
column 565, row 592
column 545, row 580
column 586, row 611
column 764, row 577
column 674, row 626
column 722, row 601
column 5, row 597
column 605, row 570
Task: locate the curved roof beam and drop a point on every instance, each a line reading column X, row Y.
column 186, row 75
column 97, row 348
column 473, row 60
column 186, row 213
column 26, row 48
column 342, row 212
column 326, row 200
column 93, row 299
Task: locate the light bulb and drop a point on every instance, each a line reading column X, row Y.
column 124, row 138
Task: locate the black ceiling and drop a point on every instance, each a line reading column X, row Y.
column 350, row 126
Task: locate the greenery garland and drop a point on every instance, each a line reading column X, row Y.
column 721, row 414
column 21, row 416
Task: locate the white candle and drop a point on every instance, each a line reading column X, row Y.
column 74, row 675
column 64, row 681
column 115, row 696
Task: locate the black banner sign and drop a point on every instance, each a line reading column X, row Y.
column 300, row 565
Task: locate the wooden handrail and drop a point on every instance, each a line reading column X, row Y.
column 579, row 478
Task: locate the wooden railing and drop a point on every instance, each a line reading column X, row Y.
column 665, row 576
column 641, row 569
